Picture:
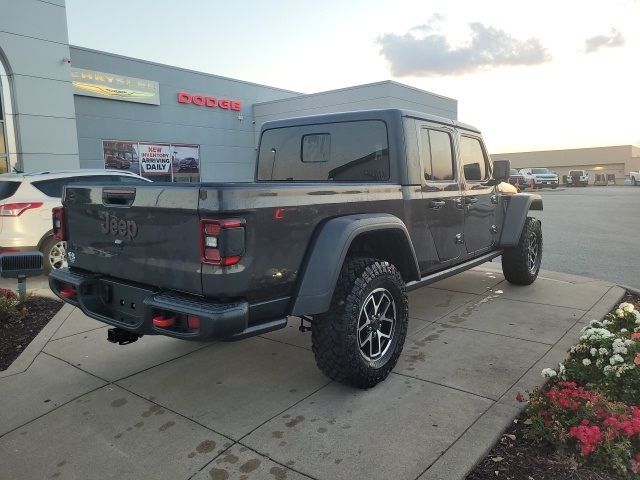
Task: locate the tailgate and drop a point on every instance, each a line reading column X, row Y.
column 147, row 233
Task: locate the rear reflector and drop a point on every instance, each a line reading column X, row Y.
column 193, row 322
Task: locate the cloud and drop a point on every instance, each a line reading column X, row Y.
column 431, row 54
column 615, row 38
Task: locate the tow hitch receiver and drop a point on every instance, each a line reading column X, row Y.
column 121, row 337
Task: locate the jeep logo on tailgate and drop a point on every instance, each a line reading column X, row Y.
column 118, row 227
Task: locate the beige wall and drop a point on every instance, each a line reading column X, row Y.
column 618, row 160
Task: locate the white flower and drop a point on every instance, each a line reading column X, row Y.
column 599, row 362
column 595, row 323
column 620, row 312
column 603, row 351
column 586, row 362
column 593, row 352
column 624, row 330
column 607, row 369
column 548, row 373
column 627, row 307
column 616, row 359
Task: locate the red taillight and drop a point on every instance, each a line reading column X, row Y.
column 17, row 209
column 59, row 227
column 221, row 241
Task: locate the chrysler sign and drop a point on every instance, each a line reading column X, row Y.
column 212, row 102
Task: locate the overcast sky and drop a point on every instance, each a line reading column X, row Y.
column 532, row 75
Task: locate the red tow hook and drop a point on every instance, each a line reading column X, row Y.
column 163, row 322
column 67, row 291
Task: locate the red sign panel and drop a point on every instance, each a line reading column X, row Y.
column 212, row 102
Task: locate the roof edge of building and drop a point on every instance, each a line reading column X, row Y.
column 188, row 70
column 563, row 149
column 353, row 87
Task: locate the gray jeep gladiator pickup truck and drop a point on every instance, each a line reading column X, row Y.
column 347, row 213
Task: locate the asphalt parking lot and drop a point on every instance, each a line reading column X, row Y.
column 592, row 231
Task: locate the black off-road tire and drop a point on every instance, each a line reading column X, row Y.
column 516, row 261
column 335, row 336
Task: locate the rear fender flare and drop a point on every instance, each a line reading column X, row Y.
column 515, row 216
column 328, row 251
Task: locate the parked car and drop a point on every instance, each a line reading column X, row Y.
column 348, row 212
column 26, row 201
column 518, row 180
column 542, row 177
column 635, row 178
column 578, row 178
column 117, row 161
column 188, row 164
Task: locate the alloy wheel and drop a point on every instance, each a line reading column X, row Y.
column 376, row 324
column 57, row 255
column 533, row 252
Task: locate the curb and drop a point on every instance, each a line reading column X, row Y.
column 25, row 359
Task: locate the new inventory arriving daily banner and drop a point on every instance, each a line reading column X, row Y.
column 157, row 161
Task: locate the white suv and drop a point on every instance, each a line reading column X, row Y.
column 26, row 201
column 540, row 177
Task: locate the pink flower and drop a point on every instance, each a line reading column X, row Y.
column 519, row 397
column 637, row 359
column 635, row 336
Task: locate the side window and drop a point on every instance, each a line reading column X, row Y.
column 473, row 160
column 52, row 188
column 438, row 164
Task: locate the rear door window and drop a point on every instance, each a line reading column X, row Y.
column 343, row 151
column 8, row 189
column 437, row 155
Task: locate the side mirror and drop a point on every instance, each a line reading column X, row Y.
column 501, row 170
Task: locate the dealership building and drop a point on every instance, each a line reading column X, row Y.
column 65, row 107
column 616, row 161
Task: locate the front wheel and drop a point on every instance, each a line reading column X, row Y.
column 358, row 341
column 521, row 264
column 54, row 254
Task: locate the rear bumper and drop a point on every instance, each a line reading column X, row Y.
column 133, row 308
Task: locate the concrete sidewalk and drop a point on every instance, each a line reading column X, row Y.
column 81, row 408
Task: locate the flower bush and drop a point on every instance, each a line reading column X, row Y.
column 8, row 303
column 604, row 432
column 591, row 403
column 607, row 357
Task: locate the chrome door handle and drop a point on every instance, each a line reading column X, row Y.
column 437, row 204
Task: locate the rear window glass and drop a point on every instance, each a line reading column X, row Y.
column 7, row 189
column 52, row 188
column 437, row 156
column 344, row 151
column 540, row 170
column 576, row 172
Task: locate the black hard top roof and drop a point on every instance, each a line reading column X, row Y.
column 380, row 114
